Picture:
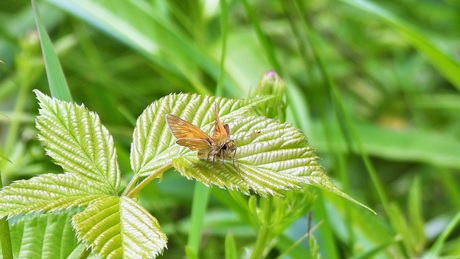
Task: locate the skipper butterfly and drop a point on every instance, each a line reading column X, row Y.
column 220, row 145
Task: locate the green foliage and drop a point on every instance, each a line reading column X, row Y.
column 110, row 225
column 271, row 157
column 372, row 81
column 56, row 78
column 230, row 247
column 75, row 138
column 273, row 161
column 43, row 236
column 116, row 227
column 48, row 192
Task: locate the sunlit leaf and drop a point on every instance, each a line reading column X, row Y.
column 43, row 236
column 77, row 141
column 48, row 192
column 117, row 227
column 271, row 157
column 153, row 145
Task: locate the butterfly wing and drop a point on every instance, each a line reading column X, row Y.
column 188, row 135
column 184, row 129
column 220, row 131
column 195, row 144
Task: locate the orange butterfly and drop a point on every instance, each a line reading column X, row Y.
column 188, row 135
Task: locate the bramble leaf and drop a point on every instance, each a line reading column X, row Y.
column 43, row 236
column 48, row 192
column 271, row 157
column 118, row 227
column 153, row 145
column 77, row 141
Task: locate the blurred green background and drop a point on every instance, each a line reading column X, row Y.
column 373, row 85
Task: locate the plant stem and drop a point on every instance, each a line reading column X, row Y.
column 199, row 206
column 132, row 193
column 223, row 27
column 264, row 231
column 262, row 238
column 131, row 184
column 85, row 253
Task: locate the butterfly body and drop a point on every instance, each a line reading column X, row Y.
column 220, row 145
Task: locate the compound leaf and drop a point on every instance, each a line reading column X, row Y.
column 48, row 192
column 118, row 227
column 271, row 157
column 43, row 236
column 77, row 141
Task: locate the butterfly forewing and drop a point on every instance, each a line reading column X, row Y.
column 188, row 135
column 219, row 130
column 194, row 143
column 182, row 129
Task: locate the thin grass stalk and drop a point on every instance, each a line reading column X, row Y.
column 342, row 112
column 224, row 31
column 266, row 44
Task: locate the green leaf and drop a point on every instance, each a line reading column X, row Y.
column 401, row 226
column 43, row 236
column 199, row 205
column 77, row 141
column 271, row 157
column 445, row 63
column 149, row 30
column 57, row 82
column 153, row 144
column 269, row 162
column 48, row 192
column 190, row 253
column 435, row 250
column 117, row 227
column 421, row 145
column 415, row 213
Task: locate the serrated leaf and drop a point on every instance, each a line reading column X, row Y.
column 153, row 145
column 271, row 157
column 43, row 236
column 118, row 227
column 48, row 192
column 77, row 141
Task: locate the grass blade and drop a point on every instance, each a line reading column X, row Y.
column 436, row 248
column 56, row 79
column 199, row 205
column 446, row 65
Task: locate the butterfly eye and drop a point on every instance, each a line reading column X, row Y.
column 223, row 147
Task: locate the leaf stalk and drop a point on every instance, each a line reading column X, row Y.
column 132, row 193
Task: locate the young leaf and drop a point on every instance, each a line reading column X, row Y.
column 43, row 236
column 271, row 157
column 153, row 144
column 75, row 138
column 118, row 227
column 48, row 192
